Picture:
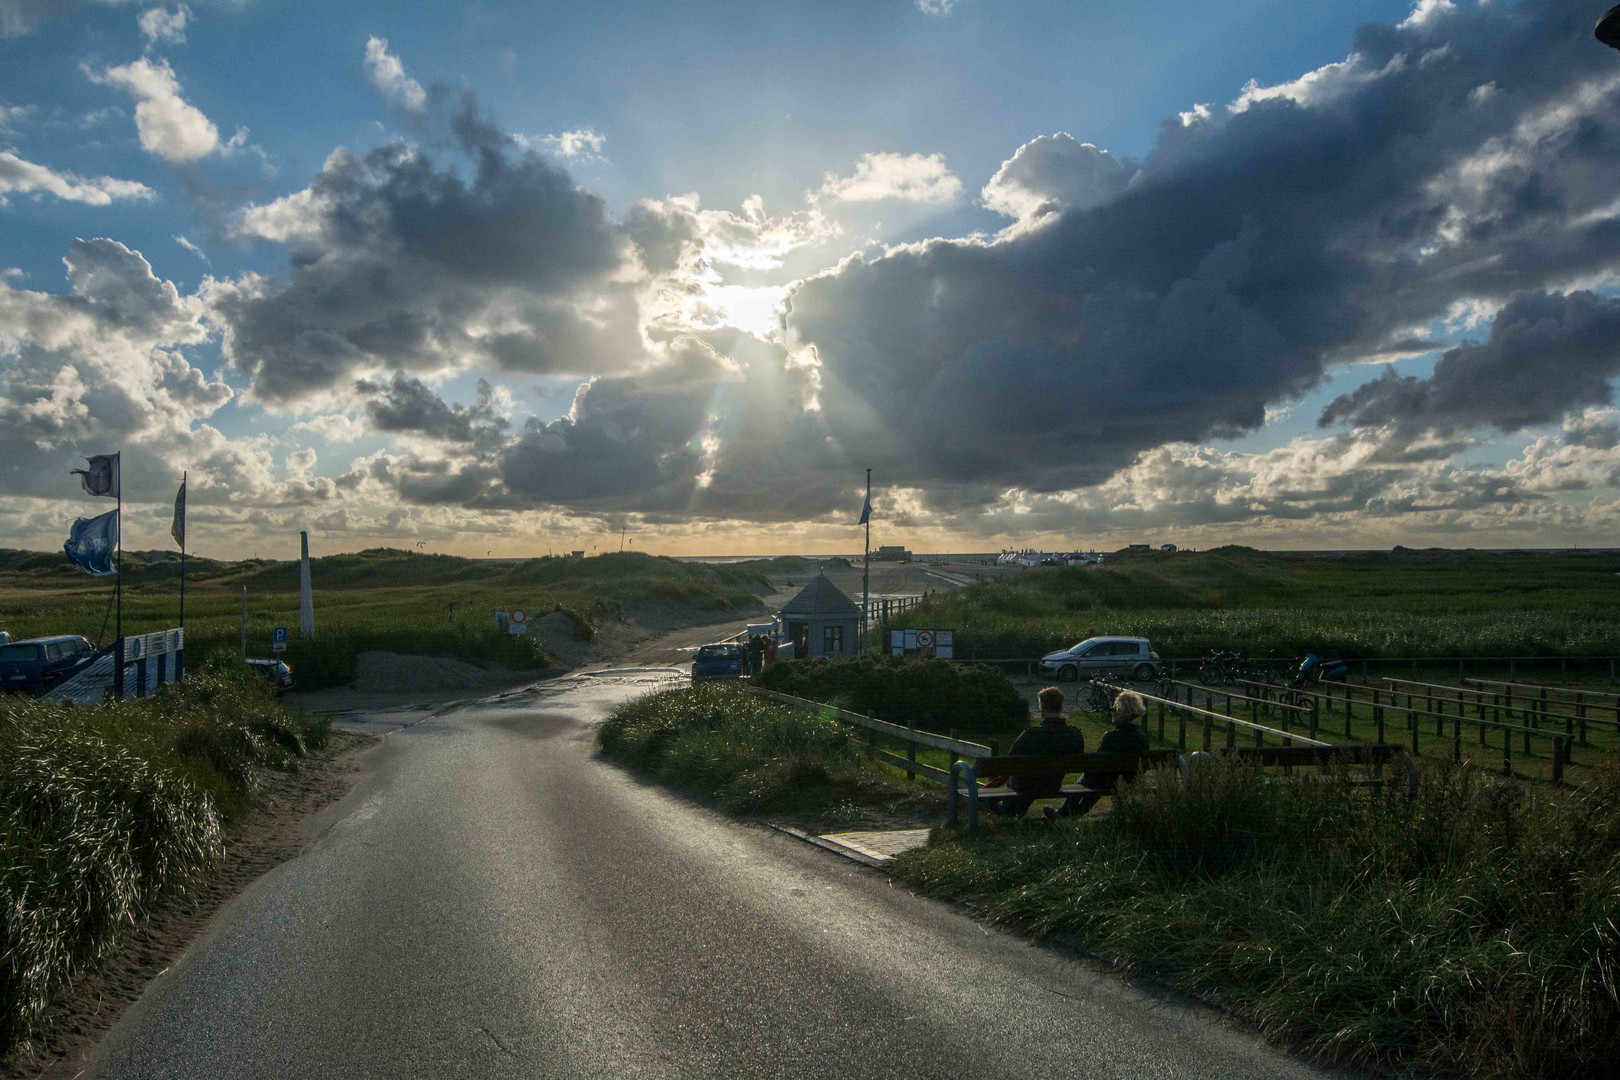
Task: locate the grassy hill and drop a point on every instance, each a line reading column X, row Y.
column 381, row 598
column 1399, row 603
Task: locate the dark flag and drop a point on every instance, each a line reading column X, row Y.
column 866, row 512
column 178, row 529
column 101, row 477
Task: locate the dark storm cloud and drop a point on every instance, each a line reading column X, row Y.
column 398, row 263
column 1472, row 157
column 408, row 405
column 1546, row 355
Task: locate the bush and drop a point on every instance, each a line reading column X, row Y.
column 1472, row 931
column 750, row 755
column 105, row 809
column 936, row 695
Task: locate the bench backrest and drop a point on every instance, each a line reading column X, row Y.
column 1314, row 755
column 1040, row 765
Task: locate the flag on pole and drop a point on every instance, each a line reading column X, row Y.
column 101, row 478
column 866, row 512
column 178, row 529
column 91, row 542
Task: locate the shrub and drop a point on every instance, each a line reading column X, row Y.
column 936, row 695
column 104, row 809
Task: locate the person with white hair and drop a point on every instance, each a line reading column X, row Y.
column 1127, row 737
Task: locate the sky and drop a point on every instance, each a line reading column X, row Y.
column 506, row 278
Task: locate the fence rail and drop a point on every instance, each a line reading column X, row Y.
column 1189, row 665
column 1209, row 718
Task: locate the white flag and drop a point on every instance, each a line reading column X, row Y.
column 101, row 477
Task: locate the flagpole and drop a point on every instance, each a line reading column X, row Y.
column 866, row 565
column 118, row 627
column 183, row 477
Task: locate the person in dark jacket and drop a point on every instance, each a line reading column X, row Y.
column 1127, row 737
column 1052, row 737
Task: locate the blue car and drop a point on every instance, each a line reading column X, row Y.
column 723, row 661
column 40, row 663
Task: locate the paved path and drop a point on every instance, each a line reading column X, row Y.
column 494, row 902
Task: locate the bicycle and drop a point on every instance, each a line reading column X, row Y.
column 1219, row 667
column 1100, row 700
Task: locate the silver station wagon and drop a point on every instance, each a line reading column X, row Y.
column 1130, row 657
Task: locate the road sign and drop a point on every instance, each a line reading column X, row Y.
column 925, row 639
column 520, row 622
column 945, row 644
column 518, row 615
column 897, row 642
column 278, row 640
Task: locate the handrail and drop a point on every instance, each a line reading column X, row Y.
column 1195, row 710
column 898, row 731
column 1243, row 697
column 1554, row 689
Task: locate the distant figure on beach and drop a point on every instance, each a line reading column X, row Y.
column 756, row 654
column 1126, row 738
column 1052, row 737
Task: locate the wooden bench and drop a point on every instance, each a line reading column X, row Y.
column 1041, row 767
column 1327, row 759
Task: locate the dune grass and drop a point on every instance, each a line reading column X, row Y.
column 1373, row 604
column 105, row 809
column 381, row 599
column 1470, row 932
column 753, row 757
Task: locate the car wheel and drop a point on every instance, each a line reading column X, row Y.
column 1143, row 672
column 1068, row 673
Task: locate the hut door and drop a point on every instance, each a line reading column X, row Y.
column 798, row 632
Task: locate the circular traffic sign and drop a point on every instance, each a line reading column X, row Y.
column 518, row 616
column 925, row 638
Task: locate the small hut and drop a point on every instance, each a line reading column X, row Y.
column 821, row 621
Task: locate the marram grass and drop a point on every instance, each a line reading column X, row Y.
column 105, row 809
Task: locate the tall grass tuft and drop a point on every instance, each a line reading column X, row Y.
column 105, row 809
column 1473, row 931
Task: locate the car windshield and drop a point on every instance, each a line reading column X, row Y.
column 1080, row 646
column 18, row 654
column 719, row 652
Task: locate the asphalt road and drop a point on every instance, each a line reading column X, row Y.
column 493, row 901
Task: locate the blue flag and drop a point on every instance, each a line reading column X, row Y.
column 866, row 512
column 91, row 543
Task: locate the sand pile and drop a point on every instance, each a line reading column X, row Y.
column 386, row 671
column 564, row 640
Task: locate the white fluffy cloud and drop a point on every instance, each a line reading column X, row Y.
column 21, row 177
column 388, row 76
column 162, row 25
column 1054, row 173
column 168, row 125
column 581, row 144
column 921, row 178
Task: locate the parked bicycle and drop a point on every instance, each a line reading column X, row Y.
column 1101, row 699
column 1219, row 667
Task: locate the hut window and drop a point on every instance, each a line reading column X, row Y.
column 832, row 639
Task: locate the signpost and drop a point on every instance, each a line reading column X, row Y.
column 278, row 640
column 925, row 639
column 519, row 622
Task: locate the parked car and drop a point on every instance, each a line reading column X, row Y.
column 725, row 660
column 1117, row 656
column 37, row 664
column 276, row 673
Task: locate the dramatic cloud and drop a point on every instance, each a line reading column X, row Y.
column 1051, row 174
column 24, row 178
column 399, row 265
column 921, row 178
column 168, row 125
column 1340, row 217
column 162, row 25
column 388, row 76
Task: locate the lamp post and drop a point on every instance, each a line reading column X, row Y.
column 1608, row 28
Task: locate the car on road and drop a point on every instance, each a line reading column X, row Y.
column 1130, row 657
column 37, row 664
column 274, row 672
column 722, row 660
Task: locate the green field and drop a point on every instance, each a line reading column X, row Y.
column 1375, row 604
column 379, row 599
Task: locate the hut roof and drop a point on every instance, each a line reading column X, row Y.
column 821, row 597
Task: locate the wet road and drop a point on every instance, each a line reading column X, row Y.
column 492, row 901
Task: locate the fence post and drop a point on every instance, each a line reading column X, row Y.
column 1378, row 717
column 1181, row 730
column 1254, row 718
column 1314, row 707
column 911, row 747
column 1559, row 750
column 1507, row 750
column 1413, row 719
column 1161, row 721
column 1209, row 732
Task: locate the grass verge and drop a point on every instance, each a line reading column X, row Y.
column 753, row 757
column 105, row 809
column 1472, row 931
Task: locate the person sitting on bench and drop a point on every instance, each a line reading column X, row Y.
column 1126, row 738
column 1053, row 737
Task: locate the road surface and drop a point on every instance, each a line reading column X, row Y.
column 493, row 901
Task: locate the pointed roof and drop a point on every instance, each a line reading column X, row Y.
column 821, row 597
